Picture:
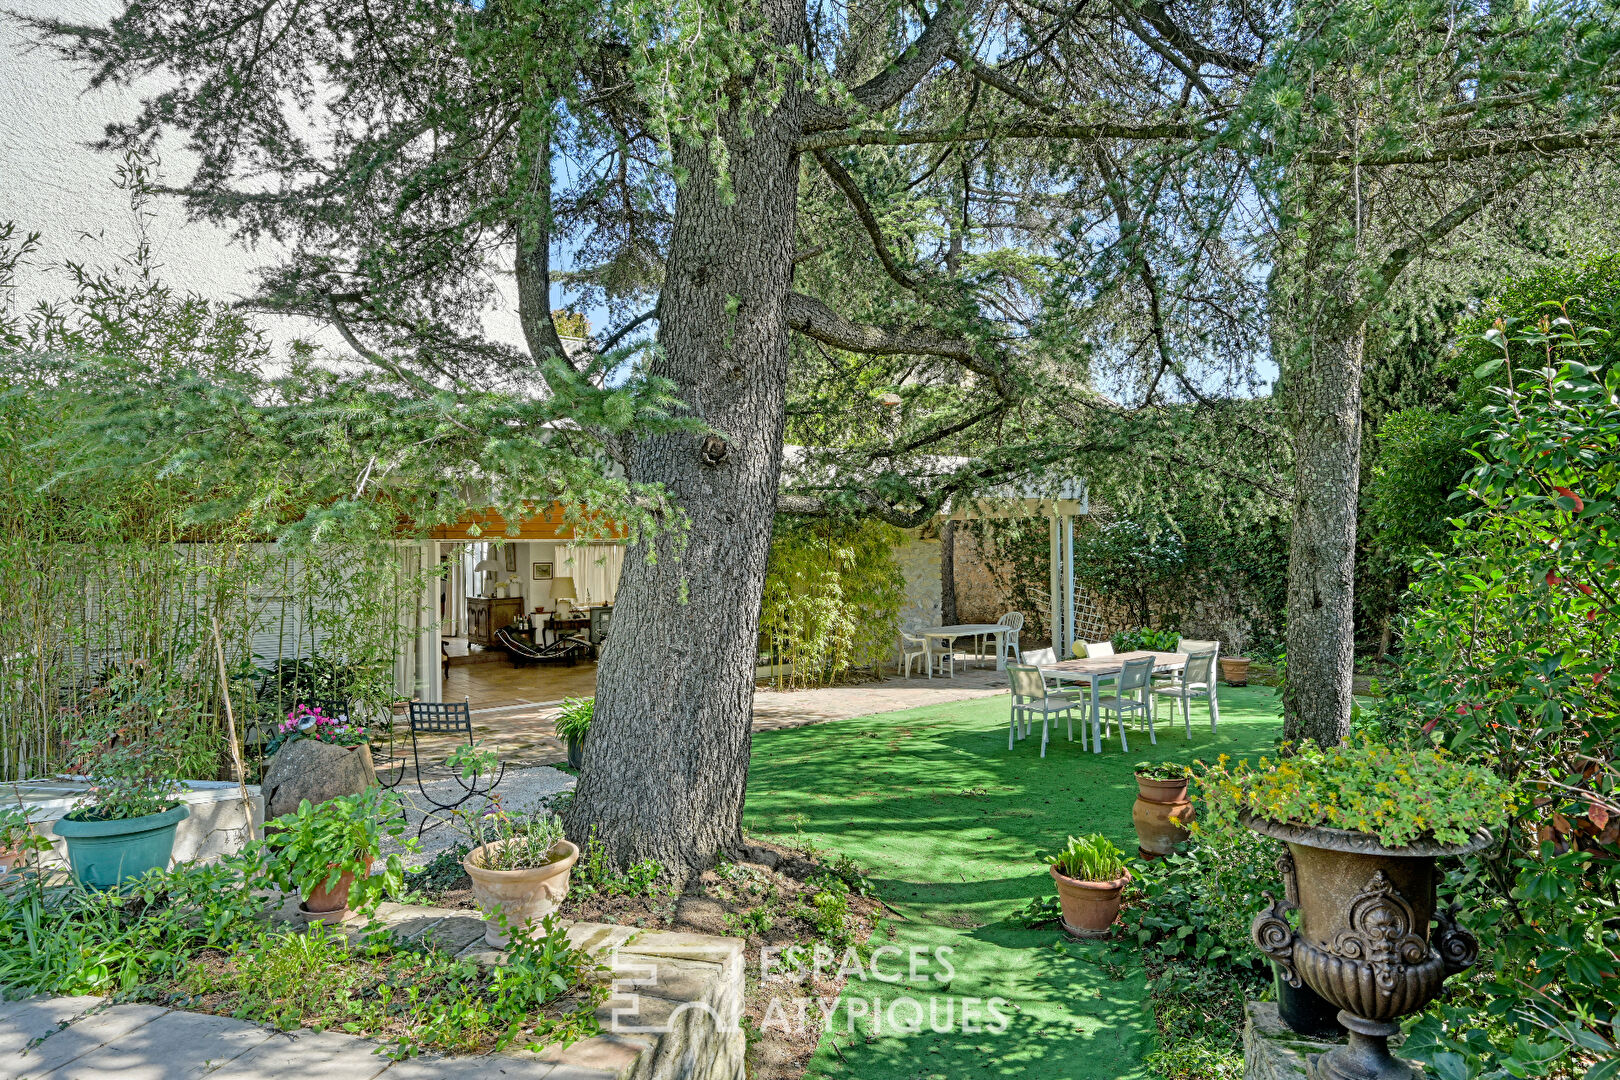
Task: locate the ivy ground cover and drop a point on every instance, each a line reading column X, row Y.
column 949, row 824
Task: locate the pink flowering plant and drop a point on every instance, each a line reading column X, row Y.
column 305, row 722
column 1396, row 794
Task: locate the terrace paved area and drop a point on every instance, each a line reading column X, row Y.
column 524, row 735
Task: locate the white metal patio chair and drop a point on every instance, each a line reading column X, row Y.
column 1197, row 679
column 1031, row 698
column 1135, row 678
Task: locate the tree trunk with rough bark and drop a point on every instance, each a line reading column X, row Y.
column 1325, row 397
column 947, row 572
column 666, row 759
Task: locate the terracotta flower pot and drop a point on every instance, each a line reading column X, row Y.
column 1235, row 670
column 524, row 896
column 1089, row 907
column 330, row 905
column 1161, row 815
column 1364, row 941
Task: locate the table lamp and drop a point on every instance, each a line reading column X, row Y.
column 562, row 594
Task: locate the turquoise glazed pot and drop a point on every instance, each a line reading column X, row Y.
column 105, row 854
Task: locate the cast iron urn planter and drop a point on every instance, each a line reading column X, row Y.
column 1363, row 941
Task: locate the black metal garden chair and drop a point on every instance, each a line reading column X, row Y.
column 440, row 718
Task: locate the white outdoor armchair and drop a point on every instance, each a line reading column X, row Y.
column 1031, row 697
column 1197, row 679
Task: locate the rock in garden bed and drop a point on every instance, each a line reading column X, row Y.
column 314, row 770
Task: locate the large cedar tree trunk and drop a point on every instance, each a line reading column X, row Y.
column 666, row 759
column 1325, row 399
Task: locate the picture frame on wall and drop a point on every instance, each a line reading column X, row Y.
column 511, row 558
column 542, row 571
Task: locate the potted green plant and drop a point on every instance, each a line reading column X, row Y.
column 124, row 826
column 1162, row 810
column 1090, row 876
column 520, row 867
column 572, row 725
column 325, row 853
column 1364, row 824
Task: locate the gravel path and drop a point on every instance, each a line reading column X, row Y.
column 520, row 790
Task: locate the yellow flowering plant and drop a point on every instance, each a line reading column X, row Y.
column 1396, row 794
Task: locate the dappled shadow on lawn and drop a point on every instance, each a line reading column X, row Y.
column 951, row 826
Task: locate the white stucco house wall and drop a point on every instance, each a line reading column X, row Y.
column 53, row 183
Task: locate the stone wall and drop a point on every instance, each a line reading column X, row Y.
column 983, row 582
column 919, row 565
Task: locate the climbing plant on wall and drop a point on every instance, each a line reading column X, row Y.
column 833, row 592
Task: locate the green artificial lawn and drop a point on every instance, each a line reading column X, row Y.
column 950, row 825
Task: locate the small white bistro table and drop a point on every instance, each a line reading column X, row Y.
column 949, row 634
column 1092, row 670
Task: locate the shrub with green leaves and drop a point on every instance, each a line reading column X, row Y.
column 1092, row 857
column 314, row 846
column 595, row 873
column 525, row 841
column 1399, row 795
column 84, row 941
column 413, row 998
column 1146, row 637
column 1190, row 913
column 126, row 745
column 1510, row 652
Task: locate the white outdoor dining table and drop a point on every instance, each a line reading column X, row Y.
column 1092, row 670
column 973, row 630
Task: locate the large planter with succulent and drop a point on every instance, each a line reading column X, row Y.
column 124, row 826
column 1364, row 824
column 520, row 869
column 1162, row 811
column 1091, row 878
column 573, row 724
column 325, row 853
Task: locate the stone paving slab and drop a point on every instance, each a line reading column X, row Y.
column 27, row 1019
column 493, row 1067
column 150, row 1051
column 77, row 1039
column 306, row 1055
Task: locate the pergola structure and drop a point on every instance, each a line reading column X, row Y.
column 1060, row 504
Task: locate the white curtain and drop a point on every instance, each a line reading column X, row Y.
column 595, row 569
